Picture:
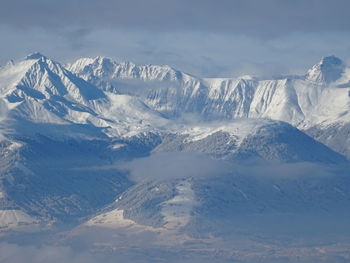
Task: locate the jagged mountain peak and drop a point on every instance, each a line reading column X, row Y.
column 329, row 69
column 37, row 72
column 175, row 94
column 42, row 90
column 106, row 68
column 103, row 60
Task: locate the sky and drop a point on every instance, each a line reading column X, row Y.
column 208, row 38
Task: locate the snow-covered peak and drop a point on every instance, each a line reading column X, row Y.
column 175, row 94
column 85, row 65
column 104, row 67
column 80, row 63
column 40, row 77
column 41, row 90
column 329, row 69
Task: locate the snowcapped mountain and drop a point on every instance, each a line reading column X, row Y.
column 247, row 139
column 328, row 70
column 53, row 124
column 318, row 99
column 114, row 145
column 40, row 90
column 303, row 101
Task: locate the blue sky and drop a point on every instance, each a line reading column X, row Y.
column 213, row 38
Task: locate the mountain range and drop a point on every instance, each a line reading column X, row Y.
column 111, row 144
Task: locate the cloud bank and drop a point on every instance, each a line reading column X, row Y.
column 204, row 37
column 248, row 16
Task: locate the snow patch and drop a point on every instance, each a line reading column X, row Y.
column 118, row 146
column 238, row 129
column 112, row 219
column 177, row 211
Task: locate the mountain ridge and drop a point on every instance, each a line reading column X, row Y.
column 94, row 88
column 319, row 98
column 62, row 132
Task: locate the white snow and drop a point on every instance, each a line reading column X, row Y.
column 177, row 211
column 118, row 146
column 131, row 116
column 111, row 219
column 303, row 103
column 299, row 101
column 239, row 129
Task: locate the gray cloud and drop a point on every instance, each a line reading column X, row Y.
column 207, row 55
column 174, row 165
column 208, row 38
column 249, row 16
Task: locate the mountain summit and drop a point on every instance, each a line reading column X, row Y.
column 329, row 69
